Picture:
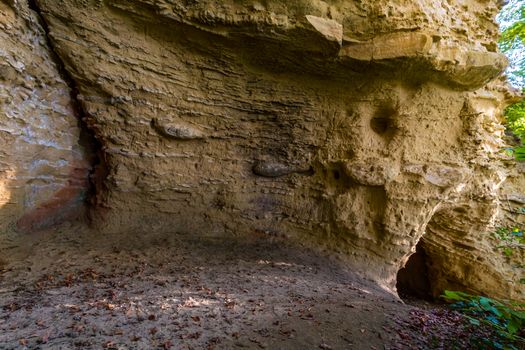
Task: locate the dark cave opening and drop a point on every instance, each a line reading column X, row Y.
column 413, row 280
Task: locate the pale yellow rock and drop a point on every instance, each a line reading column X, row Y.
column 371, row 172
column 468, row 68
column 329, row 28
column 389, row 46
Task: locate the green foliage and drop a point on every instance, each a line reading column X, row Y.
column 512, row 43
column 513, row 33
column 507, row 318
column 504, row 319
column 511, row 14
column 510, row 239
column 519, row 152
column 512, row 40
column 510, row 234
column 515, row 115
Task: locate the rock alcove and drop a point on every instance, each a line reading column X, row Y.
column 357, row 127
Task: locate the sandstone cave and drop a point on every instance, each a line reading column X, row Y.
column 253, row 174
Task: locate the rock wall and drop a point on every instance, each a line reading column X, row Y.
column 43, row 167
column 463, row 252
column 358, row 126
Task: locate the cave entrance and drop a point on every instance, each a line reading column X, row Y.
column 413, row 280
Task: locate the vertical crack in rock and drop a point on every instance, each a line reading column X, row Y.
column 87, row 140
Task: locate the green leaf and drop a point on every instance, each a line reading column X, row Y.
column 455, row 296
column 513, row 326
column 474, row 321
column 518, row 314
column 487, row 306
column 509, row 36
column 508, row 251
column 485, row 302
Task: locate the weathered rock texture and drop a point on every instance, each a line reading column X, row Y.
column 361, row 126
column 43, row 169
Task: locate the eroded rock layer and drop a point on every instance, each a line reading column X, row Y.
column 343, row 123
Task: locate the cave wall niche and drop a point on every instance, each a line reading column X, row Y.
column 447, row 255
column 458, row 252
column 413, row 280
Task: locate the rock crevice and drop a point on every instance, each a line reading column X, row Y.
column 87, row 141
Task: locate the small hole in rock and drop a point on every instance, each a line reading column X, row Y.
column 380, row 125
column 383, row 122
column 337, row 175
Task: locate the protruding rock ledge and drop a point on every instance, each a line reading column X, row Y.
column 389, row 46
column 466, row 68
column 329, row 28
column 429, row 56
column 469, row 69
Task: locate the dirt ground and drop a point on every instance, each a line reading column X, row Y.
column 71, row 288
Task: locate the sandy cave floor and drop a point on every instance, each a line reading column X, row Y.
column 70, row 288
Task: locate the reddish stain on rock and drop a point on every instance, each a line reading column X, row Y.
column 66, row 204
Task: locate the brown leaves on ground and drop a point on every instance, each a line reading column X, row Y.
column 208, row 294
